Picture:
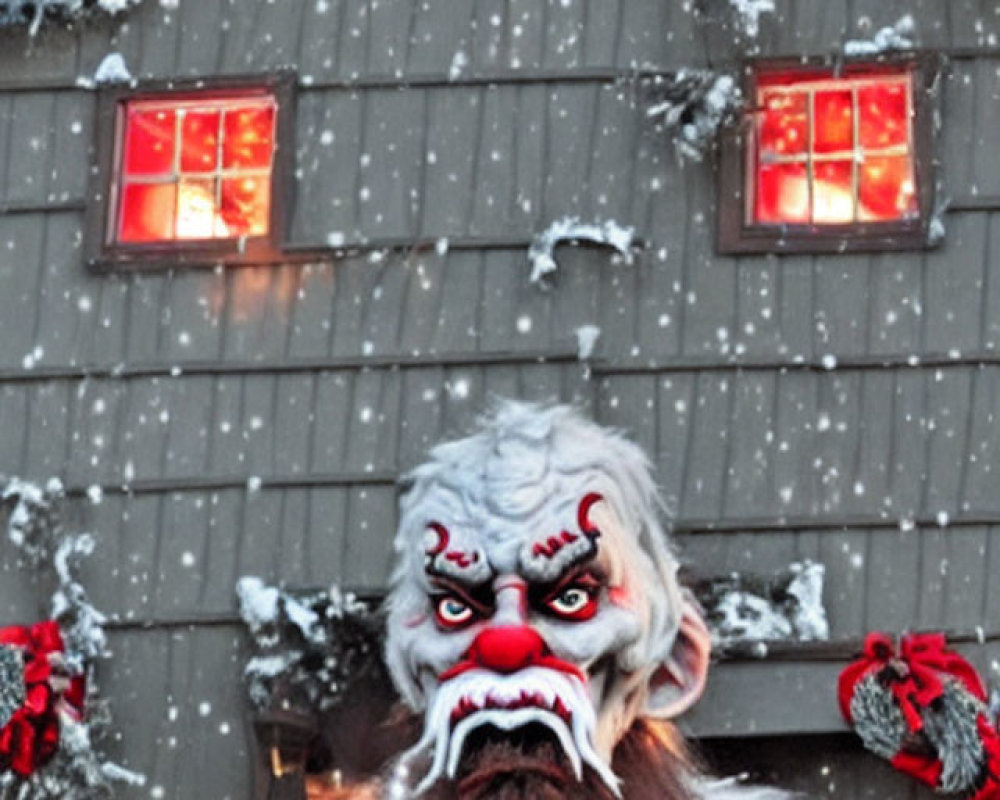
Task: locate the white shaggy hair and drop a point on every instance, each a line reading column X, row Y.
column 511, row 465
column 520, row 456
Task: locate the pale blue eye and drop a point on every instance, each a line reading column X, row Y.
column 452, row 611
column 571, row 600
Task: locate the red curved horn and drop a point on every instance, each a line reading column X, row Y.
column 583, row 513
column 443, row 538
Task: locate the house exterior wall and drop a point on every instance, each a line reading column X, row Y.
column 257, row 418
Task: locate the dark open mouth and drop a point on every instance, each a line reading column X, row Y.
column 467, row 707
column 525, row 762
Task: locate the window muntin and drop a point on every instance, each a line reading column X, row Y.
column 832, row 151
column 195, row 169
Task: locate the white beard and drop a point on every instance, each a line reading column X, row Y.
column 557, row 700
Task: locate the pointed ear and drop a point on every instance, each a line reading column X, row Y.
column 680, row 680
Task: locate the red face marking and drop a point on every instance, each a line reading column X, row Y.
column 618, row 595
column 461, row 558
column 553, row 544
column 583, row 514
column 464, row 560
column 443, row 538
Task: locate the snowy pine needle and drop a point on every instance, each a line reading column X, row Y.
column 952, row 728
column 691, row 106
column 309, row 646
column 877, row 719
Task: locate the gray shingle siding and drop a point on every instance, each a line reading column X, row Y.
column 172, row 390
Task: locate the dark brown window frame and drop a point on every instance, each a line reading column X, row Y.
column 101, row 250
column 736, row 235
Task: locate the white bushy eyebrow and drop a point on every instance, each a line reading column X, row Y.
column 539, row 564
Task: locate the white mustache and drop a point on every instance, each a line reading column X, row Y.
column 534, row 694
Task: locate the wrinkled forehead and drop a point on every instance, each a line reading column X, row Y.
column 534, row 527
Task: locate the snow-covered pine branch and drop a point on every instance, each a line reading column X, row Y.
column 309, row 646
column 79, row 769
column 691, row 106
column 34, row 12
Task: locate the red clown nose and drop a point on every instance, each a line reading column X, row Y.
column 507, row 648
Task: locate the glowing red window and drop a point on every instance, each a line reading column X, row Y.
column 833, row 150
column 195, row 169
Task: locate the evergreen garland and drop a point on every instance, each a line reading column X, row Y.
column 310, row 646
column 78, row 770
column 34, row 12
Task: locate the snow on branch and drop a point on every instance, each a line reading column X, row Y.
column 691, row 105
column 35, row 527
column 78, row 770
column 541, row 253
column 309, row 646
column 898, row 36
column 34, row 12
column 744, row 610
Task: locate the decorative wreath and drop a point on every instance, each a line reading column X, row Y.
column 923, row 707
column 37, row 688
column 51, row 745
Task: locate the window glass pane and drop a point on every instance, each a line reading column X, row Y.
column 249, row 136
column 199, row 141
column 147, row 212
column 886, row 189
column 196, row 210
column 149, row 147
column 833, row 195
column 882, row 109
column 782, row 193
column 784, row 126
column 213, row 182
column 833, row 128
column 827, row 149
column 245, row 205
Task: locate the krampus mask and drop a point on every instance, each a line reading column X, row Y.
column 535, row 616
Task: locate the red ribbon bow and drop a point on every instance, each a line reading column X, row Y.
column 915, row 673
column 31, row 735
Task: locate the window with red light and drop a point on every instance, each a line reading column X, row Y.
column 829, row 161
column 194, row 169
column 833, row 151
